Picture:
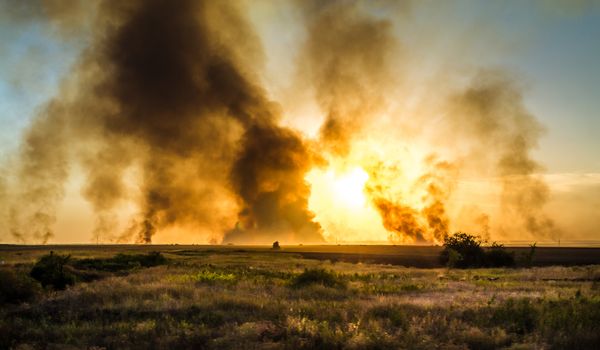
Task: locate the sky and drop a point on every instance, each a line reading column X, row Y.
column 552, row 48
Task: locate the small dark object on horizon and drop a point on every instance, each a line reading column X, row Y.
column 276, row 245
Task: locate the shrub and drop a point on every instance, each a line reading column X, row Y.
column 52, row 270
column 526, row 259
column 16, row 287
column 497, row 256
column 468, row 247
column 318, row 276
column 453, row 257
column 463, row 250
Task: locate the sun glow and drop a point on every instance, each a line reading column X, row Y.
column 348, row 187
column 341, row 205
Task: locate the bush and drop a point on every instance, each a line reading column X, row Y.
column 469, row 250
column 17, row 287
column 497, row 256
column 463, row 250
column 526, row 259
column 52, row 270
column 318, row 276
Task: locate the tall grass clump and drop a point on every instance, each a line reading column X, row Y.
column 17, row 287
column 121, row 262
column 394, row 314
column 497, row 256
column 318, row 276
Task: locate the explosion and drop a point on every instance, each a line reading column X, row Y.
column 167, row 109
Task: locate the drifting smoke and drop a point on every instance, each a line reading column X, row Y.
column 491, row 111
column 348, row 57
column 161, row 89
column 42, row 170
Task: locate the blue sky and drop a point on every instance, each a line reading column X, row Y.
column 33, row 61
column 563, row 64
column 553, row 47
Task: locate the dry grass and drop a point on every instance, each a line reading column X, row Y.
column 230, row 299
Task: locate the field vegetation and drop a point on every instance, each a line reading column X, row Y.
column 233, row 299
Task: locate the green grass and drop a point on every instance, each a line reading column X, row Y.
column 250, row 299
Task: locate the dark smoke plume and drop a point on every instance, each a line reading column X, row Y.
column 269, row 177
column 161, row 88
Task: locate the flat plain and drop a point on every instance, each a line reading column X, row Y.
column 328, row 297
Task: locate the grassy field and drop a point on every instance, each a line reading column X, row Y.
column 245, row 298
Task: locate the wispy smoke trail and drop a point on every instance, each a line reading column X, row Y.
column 491, row 112
column 347, row 58
column 42, row 171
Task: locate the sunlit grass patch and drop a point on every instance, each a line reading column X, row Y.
column 204, row 276
column 218, row 302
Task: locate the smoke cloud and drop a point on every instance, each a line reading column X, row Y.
column 161, row 89
column 166, row 108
